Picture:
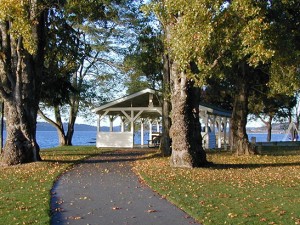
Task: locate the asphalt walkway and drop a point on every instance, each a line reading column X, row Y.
column 103, row 190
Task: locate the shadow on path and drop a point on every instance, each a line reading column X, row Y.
column 103, row 190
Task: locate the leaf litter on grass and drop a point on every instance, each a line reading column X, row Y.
column 25, row 189
column 236, row 190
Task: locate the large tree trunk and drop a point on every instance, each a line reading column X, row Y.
column 187, row 150
column 165, row 146
column 20, row 73
column 240, row 142
column 20, row 145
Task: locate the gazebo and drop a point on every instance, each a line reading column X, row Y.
column 130, row 111
column 215, row 123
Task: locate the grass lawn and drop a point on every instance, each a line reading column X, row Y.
column 236, row 190
column 25, row 189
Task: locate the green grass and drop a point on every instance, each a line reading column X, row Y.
column 236, row 190
column 25, row 189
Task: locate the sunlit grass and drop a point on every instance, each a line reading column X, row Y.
column 25, row 189
column 236, row 190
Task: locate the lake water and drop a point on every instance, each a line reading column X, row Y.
column 49, row 139
column 262, row 137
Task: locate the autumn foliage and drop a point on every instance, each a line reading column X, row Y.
column 235, row 190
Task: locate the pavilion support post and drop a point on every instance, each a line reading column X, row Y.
column 157, row 126
column 225, row 134
column 207, row 124
column 213, row 125
column 150, row 129
column 206, row 131
column 132, row 122
column 111, row 123
column 219, row 131
column 98, row 123
column 142, row 131
column 123, row 123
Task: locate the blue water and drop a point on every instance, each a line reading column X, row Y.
column 49, row 139
column 262, row 137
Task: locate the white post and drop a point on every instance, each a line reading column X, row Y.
column 225, row 135
column 132, row 122
column 219, row 132
column 206, row 134
column 150, row 129
column 213, row 124
column 142, row 132
column 98, row 123
column 111, row 123
column 122, row 123
column 157, row 126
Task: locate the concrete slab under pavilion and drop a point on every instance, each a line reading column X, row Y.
column 131, row 113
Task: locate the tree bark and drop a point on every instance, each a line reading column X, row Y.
column 165, row 146
column 240, row 142
column 269, row 129
column 72, row 120
column 20, row 73
column 1, row 125
column 268, row 124
column 187, row 150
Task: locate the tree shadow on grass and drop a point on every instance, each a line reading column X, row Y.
column 251, row 166
column 111, row 156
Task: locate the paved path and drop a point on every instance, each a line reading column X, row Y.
column 103, row 190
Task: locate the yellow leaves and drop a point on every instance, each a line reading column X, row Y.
column 232, row 215
column 19, row 14
column 256, row 189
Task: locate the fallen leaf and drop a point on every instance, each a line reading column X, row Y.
column 151, row 210
column 74, row 217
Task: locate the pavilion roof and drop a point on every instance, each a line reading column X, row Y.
column 214, row 110
column 148, row 100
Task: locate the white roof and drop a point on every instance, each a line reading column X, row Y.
column 138, row 99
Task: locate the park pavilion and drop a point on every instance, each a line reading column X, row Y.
column 120, row 122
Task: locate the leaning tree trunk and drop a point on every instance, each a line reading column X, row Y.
column 20, row 72
column 240, row 142
column 187, row 150
column 77, row 83
column 58, row 124
column 71, row 124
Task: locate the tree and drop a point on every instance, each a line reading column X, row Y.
column 144, row 64
column 232, row 39
column 269, row 108
column 79, row 54
column 147, row 66
column 187, row 150
column 63, row 55
column 23, row 38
